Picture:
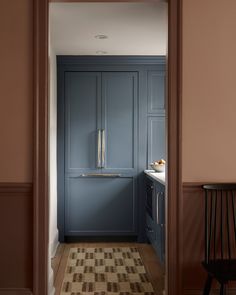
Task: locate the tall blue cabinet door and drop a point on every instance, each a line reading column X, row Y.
column 82, row 121
column 119, row 121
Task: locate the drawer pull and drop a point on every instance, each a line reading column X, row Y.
column 105, row 175
column 149, row 229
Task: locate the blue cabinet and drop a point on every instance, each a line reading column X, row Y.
column 156, row 92
column 156, row 138
column 99, row 206
column 156, row 85
column 155, row 216
column 119, row 120
column 82, row 120
column 100, row 172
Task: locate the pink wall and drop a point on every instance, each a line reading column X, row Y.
column 209, row 120
column 209, row 90
column 16, row 99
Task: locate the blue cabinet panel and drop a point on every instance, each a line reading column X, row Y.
column 155, row 224
column 156, row 92
column 119, row 92
column 100, row 206
column 156, row 139
column 150, row 231
column 82, row 119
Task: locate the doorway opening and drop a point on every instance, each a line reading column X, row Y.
column 108, row 131
column 173, row 184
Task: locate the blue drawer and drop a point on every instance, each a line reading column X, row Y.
column 150, row 230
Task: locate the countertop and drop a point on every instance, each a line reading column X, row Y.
column 158, row 176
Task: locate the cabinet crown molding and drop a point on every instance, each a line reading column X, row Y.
column 110, row 59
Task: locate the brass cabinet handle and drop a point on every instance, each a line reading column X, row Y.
column 99, row 149
column 108, row 175
column 103, row 148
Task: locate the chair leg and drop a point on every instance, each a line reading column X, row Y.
column 207, row 287
column 222, row 289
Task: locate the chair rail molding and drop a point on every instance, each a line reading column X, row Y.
column 16, row 291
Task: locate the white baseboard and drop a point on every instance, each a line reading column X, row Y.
column 52, row 252
column 54, row 244
column 51, row 289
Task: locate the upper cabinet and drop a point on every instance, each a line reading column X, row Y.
column 156, row 138
column 156, row 92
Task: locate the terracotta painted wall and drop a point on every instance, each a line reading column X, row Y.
column 209, row 70
column 209, row 117
column 16, row 85
column 16, row 149
column 209, row 90
column 209, row 120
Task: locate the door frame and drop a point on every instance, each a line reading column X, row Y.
column 40, row 161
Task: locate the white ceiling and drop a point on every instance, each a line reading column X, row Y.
column 132, row 28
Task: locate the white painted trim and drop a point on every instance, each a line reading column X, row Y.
column 51, row 289
column 54, row 244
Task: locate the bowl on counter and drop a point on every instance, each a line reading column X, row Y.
column 158, row 167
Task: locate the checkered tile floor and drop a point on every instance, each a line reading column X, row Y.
column 105, row 271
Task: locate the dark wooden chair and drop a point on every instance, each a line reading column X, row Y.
column 220, row 235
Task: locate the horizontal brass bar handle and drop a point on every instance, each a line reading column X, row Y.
column 108, row 175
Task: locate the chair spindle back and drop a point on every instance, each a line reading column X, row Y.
column 220, row 221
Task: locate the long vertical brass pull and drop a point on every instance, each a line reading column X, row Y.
column 103, row 148
column 99, row 165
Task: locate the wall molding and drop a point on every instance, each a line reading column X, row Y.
column 15, row 188
column 16, row 218
column 213, row 292
column 40, row 162
column 110, row 60
column 193, row 185
column 15, row 291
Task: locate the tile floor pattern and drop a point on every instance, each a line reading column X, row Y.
column 105, row 271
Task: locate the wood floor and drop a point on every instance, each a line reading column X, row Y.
column 150, row 260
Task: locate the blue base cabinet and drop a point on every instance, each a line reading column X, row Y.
column 155, row 216
column 100, row 206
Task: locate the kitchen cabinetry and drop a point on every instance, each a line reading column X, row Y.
column 100, row 109
column 156, row 115
column 102, row 143
column 155, row 215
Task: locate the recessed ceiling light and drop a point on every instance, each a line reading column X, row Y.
column 101, row 37
column 101, row 52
